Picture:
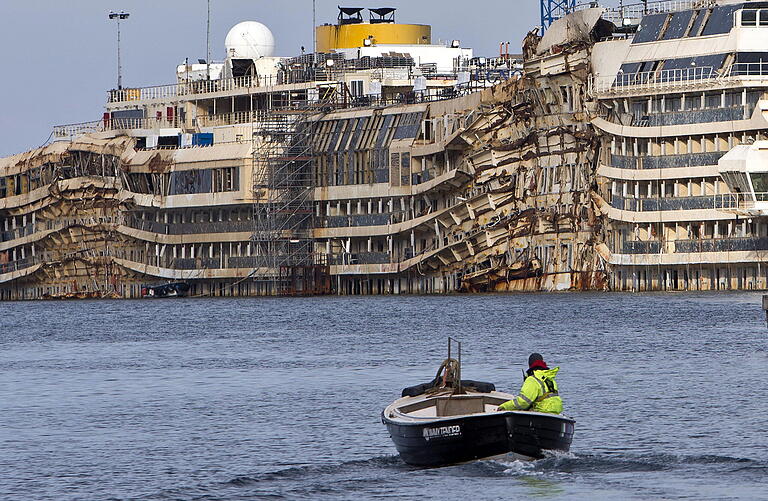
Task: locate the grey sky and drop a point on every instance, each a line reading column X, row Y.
column 59, row 57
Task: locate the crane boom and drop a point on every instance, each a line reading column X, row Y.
column 552, row 10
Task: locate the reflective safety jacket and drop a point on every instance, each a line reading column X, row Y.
column 539, row 393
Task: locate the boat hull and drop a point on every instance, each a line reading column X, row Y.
column 466, row 438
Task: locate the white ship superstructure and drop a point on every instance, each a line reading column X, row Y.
column 681, row 108
column 622, row 150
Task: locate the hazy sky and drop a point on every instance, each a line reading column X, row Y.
column 59, row 57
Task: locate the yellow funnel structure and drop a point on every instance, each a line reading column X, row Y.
column 349, row 36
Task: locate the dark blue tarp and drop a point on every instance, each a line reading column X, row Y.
column 202, row 139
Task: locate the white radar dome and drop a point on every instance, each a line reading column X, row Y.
column 249, row 40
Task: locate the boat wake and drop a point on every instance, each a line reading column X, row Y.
column 382, row 475
column 570, row 463
column 317, row 470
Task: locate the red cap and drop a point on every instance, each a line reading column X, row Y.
column 538, row 363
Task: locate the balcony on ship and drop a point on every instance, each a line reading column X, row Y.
column 745, row 169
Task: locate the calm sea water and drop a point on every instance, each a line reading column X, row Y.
column 281, row 398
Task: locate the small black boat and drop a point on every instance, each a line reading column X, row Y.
column 450, row 420
column 173, row 289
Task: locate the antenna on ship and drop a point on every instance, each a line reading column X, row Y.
column 119, row 16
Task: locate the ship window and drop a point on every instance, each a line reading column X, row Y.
column 356, row 88
column 713, row 100
column 760, row 182
column 678, row 24
column 733, row 98
column 225, row 179
column 749, row 18
column 692, row 102
column 763, row 17
column 720, row 21
column 650, row 28
column 672, row 104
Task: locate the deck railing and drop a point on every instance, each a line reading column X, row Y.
column 234, row 118
column 616, row 15
column 739, row 201
column 188, row 88
column 652, row 80
column 74, row 130
column 723, row 202
column 744, row 71
column 693, row 78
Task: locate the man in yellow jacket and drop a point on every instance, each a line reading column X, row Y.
column 539, row 391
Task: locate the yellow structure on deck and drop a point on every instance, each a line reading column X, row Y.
column 348, row 36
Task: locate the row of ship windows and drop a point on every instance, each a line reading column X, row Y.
column 753, row 17
column 688, row 102
column 672, row 188
column 681, row 145
column 381, row 166
column 187, row 182
column 653, row 232
column 216, row 180
column 195, row 216
column 376, row 131
column 688, row 23
column 74, row 164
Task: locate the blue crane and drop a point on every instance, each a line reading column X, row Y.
column 552, row 10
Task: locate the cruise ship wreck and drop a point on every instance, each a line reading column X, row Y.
column 625, row 149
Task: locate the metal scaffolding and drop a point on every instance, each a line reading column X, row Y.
column 283, row 205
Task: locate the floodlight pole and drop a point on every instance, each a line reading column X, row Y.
column 208, row 45
column 314, row 32
column 119, row 16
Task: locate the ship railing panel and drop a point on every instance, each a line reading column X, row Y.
column 171, row 91
column 232, row 118
column 688, row 117
column 189, row 228
column 142, row 123
column 192, row 263
column 617, row 15
column 189, row 88
column 743, row 71
column 722, row 201
column 739, row 201
column 353, row 258
column 361, row 220
column 652, row 80
column 74, row 130
column 697, row 245
column 685, row 79
column 18, row 232
column 641, row 247
column 666, row 161
column 19, row 264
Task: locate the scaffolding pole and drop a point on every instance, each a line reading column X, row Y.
column 283, row 209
